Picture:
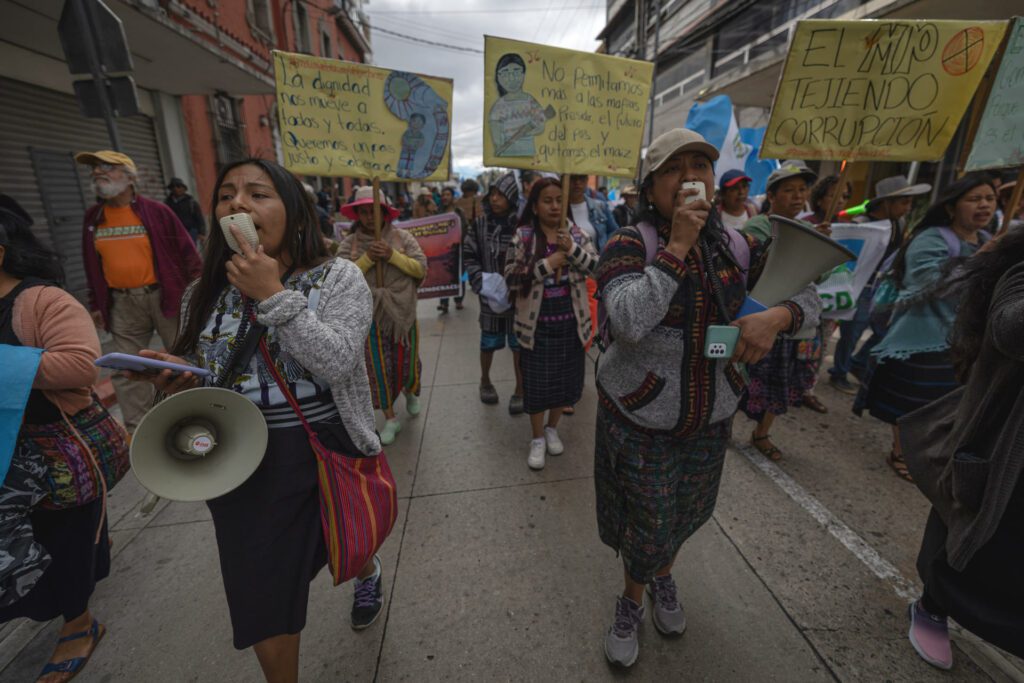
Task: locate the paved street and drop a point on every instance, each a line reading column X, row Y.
column 495, row 572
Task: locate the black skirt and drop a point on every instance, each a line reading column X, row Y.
column 269, row 536
column 78, row 562
column 897, row 387
column 553, row 369
column 987, row 597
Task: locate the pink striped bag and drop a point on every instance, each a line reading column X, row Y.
column 358, row 496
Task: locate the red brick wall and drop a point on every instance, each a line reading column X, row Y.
column 256, row 110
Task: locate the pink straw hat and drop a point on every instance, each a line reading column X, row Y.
column 364, row 195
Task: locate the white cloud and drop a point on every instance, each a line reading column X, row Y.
column 571, row 24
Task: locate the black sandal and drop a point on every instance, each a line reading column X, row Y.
column 899, row 466
column 770, row 452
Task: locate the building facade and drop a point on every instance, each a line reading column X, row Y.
column 204, row 78
column 703, row 48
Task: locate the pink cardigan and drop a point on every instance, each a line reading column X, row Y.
column 51, row 319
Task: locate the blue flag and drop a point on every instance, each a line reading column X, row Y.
column 18, row 365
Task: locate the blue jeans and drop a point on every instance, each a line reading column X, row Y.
column 849, row 333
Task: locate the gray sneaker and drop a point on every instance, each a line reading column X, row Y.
column 622, row 643
column 669, row 618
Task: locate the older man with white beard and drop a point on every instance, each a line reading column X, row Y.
column 138, row 260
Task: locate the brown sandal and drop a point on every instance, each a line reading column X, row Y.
column 899, row 466
column 769, row 451
column 814, row 403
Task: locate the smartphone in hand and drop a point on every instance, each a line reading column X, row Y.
column 694, row 185
column 243, row 222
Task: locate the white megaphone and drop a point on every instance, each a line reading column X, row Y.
column 797, row 256
column 198, row 444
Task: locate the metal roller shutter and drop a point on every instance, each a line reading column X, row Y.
column 39, row 131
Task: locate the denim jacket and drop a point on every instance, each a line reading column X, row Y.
column 602, row 219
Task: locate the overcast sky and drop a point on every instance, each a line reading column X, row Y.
column 570, row 24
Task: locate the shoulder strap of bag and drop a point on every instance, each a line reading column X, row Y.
column 952, row 241
column 283, row 386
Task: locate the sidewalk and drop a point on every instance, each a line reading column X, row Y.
column 495, row 572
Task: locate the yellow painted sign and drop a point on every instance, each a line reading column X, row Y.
column 551, row 109
column 349, row 119
column 878, row 90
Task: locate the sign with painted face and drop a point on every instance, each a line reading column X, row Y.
column 551, row 109
column 877, row 90
column 349, row 119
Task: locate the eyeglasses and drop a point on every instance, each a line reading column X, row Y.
column 106, row 168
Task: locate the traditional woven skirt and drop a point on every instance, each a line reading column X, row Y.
column 393, row 366
column 987, row 597
column 779, row 380
column 553, row 369
column 897, row 387
column 653, row 491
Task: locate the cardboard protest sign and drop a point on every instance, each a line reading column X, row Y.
column 440, row 238
column 841, row 289
column 877, row 90
column 999, row 142
column 348, row 119
column 552, row 109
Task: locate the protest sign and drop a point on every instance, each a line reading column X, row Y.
column 877, row 90
column 440, row 238
column 841, row 289
column 999, row 140
column 348, row 119
column 552, row 109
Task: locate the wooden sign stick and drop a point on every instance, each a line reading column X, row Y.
column 838, row 194
column 1011, row 206
column 376, row 226
column 563, row 222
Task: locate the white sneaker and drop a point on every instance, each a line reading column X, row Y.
column 555, row 446
column 390, row 431
column 538, row 449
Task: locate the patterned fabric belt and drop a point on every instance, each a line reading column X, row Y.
column 556, row 291
column 145, row 289
column 561, row 317
column 314, row 408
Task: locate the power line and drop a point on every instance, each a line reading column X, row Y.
column 415, row 27
column 481, row 11
column 422, row 41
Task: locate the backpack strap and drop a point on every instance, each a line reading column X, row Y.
column 740, row 249
column 649, row 234
column 952, row 241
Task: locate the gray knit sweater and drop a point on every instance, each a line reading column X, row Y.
column 329, row 343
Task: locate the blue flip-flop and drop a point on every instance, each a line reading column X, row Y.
column 74, row 665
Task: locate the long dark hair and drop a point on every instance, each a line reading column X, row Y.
column 506, row 59
column 939, row 215
column 302, row 239
column 24, row 255
column 980, row 275
column 820, row 189
column 529, row 219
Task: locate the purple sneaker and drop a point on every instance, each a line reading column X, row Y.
column 622, row 642
column 669, row 618
column 929, row 635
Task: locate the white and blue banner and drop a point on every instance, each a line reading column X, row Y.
column 844, row 283
column 716, row 121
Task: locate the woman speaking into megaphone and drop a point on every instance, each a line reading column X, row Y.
column 667, row 390
column 316, row 311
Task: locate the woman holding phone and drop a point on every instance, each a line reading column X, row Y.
column 664, row 409
column 546, row 270
column 317, row 313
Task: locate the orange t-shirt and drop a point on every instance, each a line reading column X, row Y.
column 126, row 254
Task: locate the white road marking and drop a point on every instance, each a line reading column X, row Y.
column 850, row 539
column 879, row 566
